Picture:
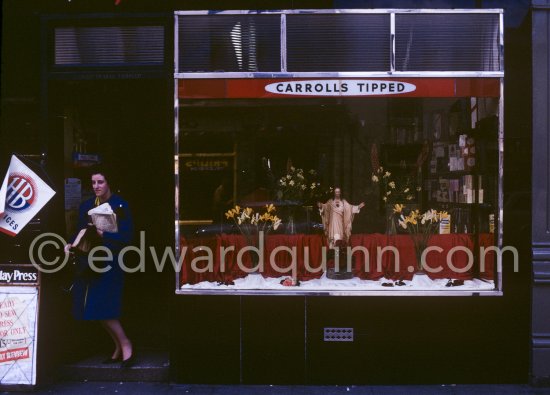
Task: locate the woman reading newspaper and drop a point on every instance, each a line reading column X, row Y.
column 98, row 297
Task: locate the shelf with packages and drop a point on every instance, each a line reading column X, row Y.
column 461, row 180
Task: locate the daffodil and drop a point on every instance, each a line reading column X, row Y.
column 398, row 208
column 387, row 174
column 374, row 178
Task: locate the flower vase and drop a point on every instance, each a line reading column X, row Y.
column 290, row 228
column 391, row 229
column 252, row 240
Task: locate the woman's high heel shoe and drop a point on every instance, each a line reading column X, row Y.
column 128, row 363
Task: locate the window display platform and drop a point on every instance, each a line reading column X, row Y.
column 369, row 272
column 258, row 282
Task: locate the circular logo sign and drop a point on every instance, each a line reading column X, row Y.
column 21, row 192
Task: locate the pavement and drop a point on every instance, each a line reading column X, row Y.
column 96, row 388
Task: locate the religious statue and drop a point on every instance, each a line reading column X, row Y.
column 337, row 215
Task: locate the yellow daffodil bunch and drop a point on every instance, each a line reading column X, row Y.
column 419, row 226
column 250, row 223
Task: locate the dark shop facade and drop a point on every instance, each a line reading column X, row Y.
column 342, row 192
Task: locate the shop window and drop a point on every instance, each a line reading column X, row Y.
column 422, row 154
column 222, row 43
column 447, row 42
column 338, row 42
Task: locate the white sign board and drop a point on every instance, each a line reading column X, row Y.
column 18, row 329
column 340, row 87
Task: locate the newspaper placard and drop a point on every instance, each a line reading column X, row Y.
column 18, row 328
column 24, row 195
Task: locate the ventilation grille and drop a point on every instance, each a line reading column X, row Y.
column 109, row 46
column 338, row 42
column 229, row 43
column 447, row 42
column 338, row 334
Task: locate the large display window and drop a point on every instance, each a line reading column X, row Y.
column 338, row 183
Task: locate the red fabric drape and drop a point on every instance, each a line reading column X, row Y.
column 308, row 250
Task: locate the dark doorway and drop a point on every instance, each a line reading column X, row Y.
column 128, row 123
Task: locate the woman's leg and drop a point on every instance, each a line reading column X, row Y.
column 118, row 348
column 118, row 332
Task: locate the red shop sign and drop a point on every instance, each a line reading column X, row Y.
column 247, row 88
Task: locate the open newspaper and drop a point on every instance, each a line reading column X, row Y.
column 104, row 218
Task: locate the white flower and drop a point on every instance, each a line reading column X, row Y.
column 300, row 176
column 304, row 186
column 418, row 189
column 392, row 184
column 384, row 198
column 409, row 197
column 406, row 190
column 276, row 224
column 292, row 168
column 387, row 174
column 288, row 176
column 283, row 183
column 374, row 178
column 388, row 193
column 291, row 183
column 312, row 172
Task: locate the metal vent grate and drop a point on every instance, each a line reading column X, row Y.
column 447, row 42
column 338, row 42
column 229, row 43
column 338, row 334
column 109, row 46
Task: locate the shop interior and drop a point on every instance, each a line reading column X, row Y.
column 424, row 153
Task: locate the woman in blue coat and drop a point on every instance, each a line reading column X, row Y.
column 98, row 297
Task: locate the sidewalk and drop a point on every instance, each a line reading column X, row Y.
column 96, row 388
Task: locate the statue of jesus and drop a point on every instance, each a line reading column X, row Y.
column 337, row 215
